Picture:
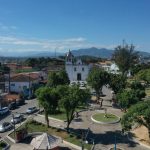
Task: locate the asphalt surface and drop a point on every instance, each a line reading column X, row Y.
column 21, row 109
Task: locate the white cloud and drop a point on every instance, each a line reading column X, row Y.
column 20, row 44
column 4, row 27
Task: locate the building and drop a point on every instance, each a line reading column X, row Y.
column 76, row 69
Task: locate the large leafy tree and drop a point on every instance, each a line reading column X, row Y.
column 144, row 75
column 139, row 113
column 48, row 99
column 117, row 82
column 71, row 100
column 58, row 78
column 97, row 78
column 125, row 57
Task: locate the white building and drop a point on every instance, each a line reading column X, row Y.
column 76, row 70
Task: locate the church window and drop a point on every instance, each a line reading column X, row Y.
column 75, row 69
column 83, row 69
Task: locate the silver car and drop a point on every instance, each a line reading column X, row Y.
column 31, row 110
column 17, row 118
column 5, row 126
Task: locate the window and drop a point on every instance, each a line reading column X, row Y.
column 82, row 69
column 13, row 84
column 75, row 69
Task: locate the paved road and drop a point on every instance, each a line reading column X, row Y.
column 21, row 109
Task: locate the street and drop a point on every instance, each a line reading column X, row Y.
column 21, row 109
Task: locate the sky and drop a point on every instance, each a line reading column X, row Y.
column 49, row 25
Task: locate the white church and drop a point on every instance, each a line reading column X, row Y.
column 76, row 70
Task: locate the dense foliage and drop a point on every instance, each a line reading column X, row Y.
column 71, row 98
column 144, row 75
column 97, row 78
column 139, row 113
column 48, row 99
column 125, row 57
column 117, row 82
column 58, row 78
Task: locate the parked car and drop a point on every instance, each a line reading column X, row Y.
column 20, row 102
column 5, row 126
column 31, row 110
column 17, row 118
column 4, row 110
column 12, row 105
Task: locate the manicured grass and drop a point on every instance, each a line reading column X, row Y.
column 101, row 117
column 33, row 126
column 62, row 115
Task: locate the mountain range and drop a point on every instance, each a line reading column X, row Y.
column 93, row 51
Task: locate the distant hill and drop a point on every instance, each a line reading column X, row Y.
column 102, row 52
column 93, row 51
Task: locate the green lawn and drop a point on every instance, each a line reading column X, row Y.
column 33, row 126
column 62, row 114
column 101, row 117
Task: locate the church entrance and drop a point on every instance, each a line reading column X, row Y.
column 79, row 76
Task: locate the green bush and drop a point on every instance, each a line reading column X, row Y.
column 3, row 144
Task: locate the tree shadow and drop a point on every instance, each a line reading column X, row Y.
column 106, row 138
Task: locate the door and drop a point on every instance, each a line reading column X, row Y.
column 79, row 76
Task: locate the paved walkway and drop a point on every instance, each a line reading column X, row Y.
column 103, row 135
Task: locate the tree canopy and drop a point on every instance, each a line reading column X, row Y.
column 117, row 82
column 71, row 100
column 97, row 78
column 125, row 57
column 48, row 99
column 144, row 75
column 139, row 113
column 58, row 78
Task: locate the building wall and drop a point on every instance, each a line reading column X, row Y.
column 73, row 70
column 18, row 86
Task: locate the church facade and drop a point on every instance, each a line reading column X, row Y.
column 76, row 70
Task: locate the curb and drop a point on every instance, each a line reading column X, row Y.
column 113, row 122
column 73, row 145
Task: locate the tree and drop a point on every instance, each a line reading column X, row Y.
column 48, row 99
column 63, row 77
column 53, row 79
column 117, row 82
column 144, row 75
column 127, row 98
column 139, row 113
column 58, row 78
column 71, row 100
column 138, row 90
column 97, row 78
column 125, row 57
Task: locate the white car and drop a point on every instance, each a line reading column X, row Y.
column 4, row 110
column 17, row 118
column 5, row 126
column 31, row 110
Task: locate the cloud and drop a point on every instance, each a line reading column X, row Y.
column 7, row 28
column 11, row 43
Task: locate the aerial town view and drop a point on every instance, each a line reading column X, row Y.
column 74, row 75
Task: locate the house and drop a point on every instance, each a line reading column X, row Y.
column 22, row 83
column 76, row 70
